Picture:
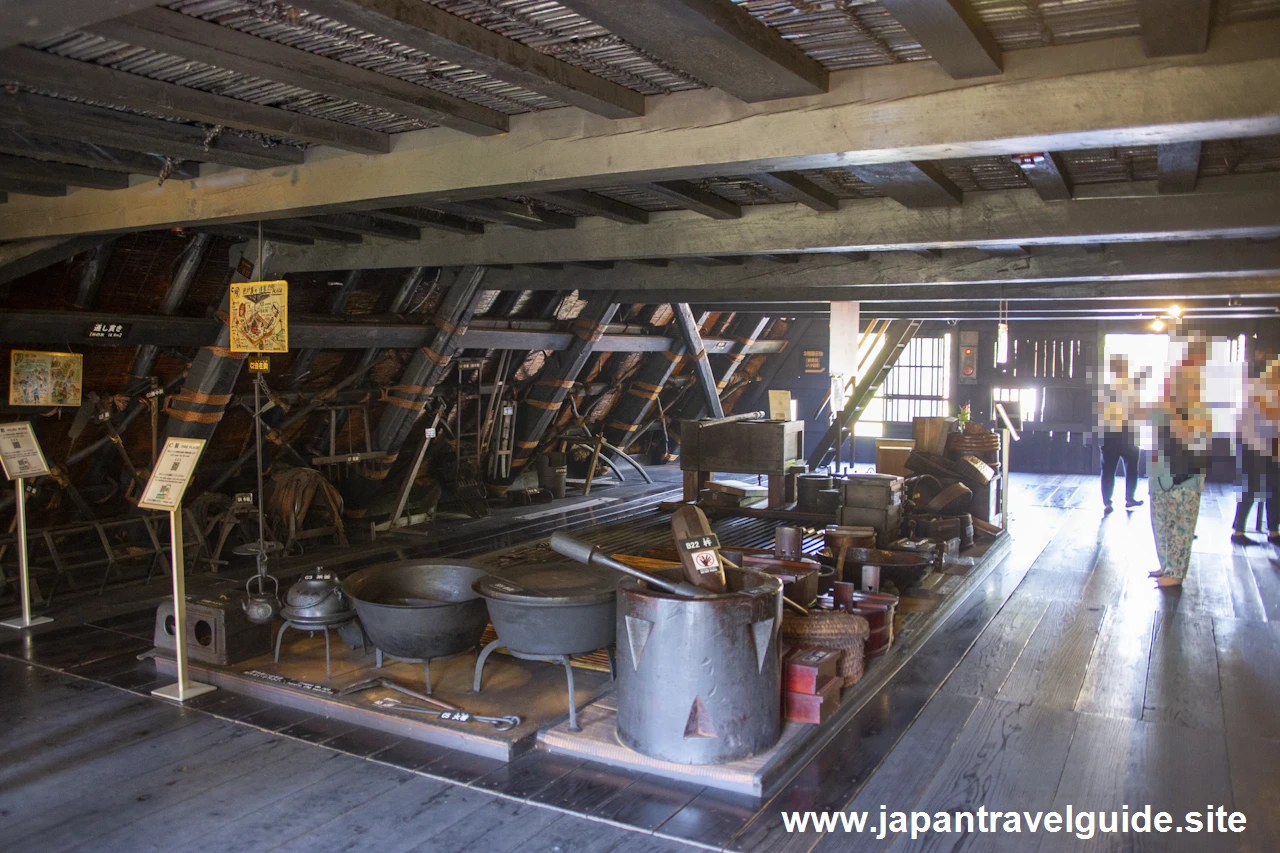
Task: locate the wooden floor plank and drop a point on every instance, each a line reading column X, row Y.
column 586, row 787
column 398, row 820
column 1115, row 682
column 499, row 826
column 1265, row 564
column 1007, row 757
column 903, row 777
column 710, row 818
column 1051, row 669
column 1249, row 673
column 1117, row 762
column 1182, row 677
column 1255, row 787
column 528, row 774
column 988, row 662
column 647, row 803
column 1246, row 600
column 569, row 833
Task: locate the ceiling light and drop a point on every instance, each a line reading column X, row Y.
column 1175, row 312
column 1157, row 325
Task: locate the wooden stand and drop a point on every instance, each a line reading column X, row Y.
column 24, row 582
column 771, row 448
column 185, row 688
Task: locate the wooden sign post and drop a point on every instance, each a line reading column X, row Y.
column 169, row 480
column 22, row 459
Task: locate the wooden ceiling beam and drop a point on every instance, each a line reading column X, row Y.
column 181, row 35
column 424, row 27
column 430, row 219
column 1047, row 173
column 61, row 173
column 31, row 186
column 73, row 78
column 1047, row 101
column 1174, row 27
column 1178, row 165
column 245, row 231
column 352, row 223
column 51, row 149
column 796, row 187
column 24, row 21
column 1239, row 207
column 692, row 197
column 911, row 184
column 506, row 212
column 26, row 113
column 310, row 230
column 593, row 204
column 715, row 41
column 952, row 33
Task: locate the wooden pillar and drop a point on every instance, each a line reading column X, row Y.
column 688, row 328
column 539, row 409
column 145, row 358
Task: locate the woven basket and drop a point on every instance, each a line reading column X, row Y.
column 843, row 632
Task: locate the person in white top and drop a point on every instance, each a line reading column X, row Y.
column 1258, row 436
column 1120, row 409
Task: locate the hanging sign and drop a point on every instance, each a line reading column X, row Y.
column 259, row 364
column 20, row 452
column 172, row 474
column 45, row 378
column 259, row 317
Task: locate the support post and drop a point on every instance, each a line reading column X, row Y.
column 145, row 358
column 539, row 409
column 184, row 689
column 24, row 580
column 688, row 328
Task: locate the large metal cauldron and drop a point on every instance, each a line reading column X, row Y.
column 699, row 679
column 419, row 609
column 561, row 609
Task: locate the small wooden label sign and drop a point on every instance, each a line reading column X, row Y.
column 172, row 475
column 20, row 452
column 259, row 364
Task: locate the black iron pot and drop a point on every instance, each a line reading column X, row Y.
column 316, row 598
column 419, row 609
column 552, row 610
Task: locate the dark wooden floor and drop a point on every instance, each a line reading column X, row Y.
column 1064, row 678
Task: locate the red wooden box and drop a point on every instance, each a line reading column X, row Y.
column 811, row 707
column 804, row 669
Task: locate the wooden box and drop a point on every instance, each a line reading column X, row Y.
column 891, row 455
column 813, row 707
column 874, row 491
column 805, row 669
column 745, row 447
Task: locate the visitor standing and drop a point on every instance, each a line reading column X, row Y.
column 1121, row 409
column 1259, row 434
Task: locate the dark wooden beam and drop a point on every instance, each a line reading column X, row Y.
column 594, row 265
column 1173, row 27
column 691, row 335
column 93, row 269
column 952, row 34
column 718, row 260
column 23, row 257
column 1179, row 166
column 430, row 219
column 60, row 173
column 591, row 204
column 693, row 197
column 796, row 187
column 310, row 230
column 191, row 38
column 27, row 186
column 353, row 223
column 512, row 213
column 652, row 262
column 241, row 231
column 716, row 41
column 27, row 113
column 25, row 21
column 73, row 78
column 424, row 27
column 54, row 150
column 793, row 258
column 1005, row 251
column 1047, row 173
column 910, row 184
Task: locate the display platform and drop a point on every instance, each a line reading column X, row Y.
column 920, row 613
column 537, row 692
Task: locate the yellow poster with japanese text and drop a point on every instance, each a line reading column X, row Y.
column 259, row 316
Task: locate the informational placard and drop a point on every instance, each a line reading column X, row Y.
column 174, row 468
column 259, row 318
column 108, row 331
column 20, row 452
column 45, row 378
column 259, row 364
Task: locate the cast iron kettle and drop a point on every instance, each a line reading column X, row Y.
column 317, row 596
column 261, row 607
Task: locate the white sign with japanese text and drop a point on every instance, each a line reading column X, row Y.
column 20, row 452
column 174, row 468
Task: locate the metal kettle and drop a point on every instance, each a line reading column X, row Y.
column 317, row 595
column 261, row 607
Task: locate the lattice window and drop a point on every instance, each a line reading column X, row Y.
column 919, row 385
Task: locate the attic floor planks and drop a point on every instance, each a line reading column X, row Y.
column 1063, row 678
